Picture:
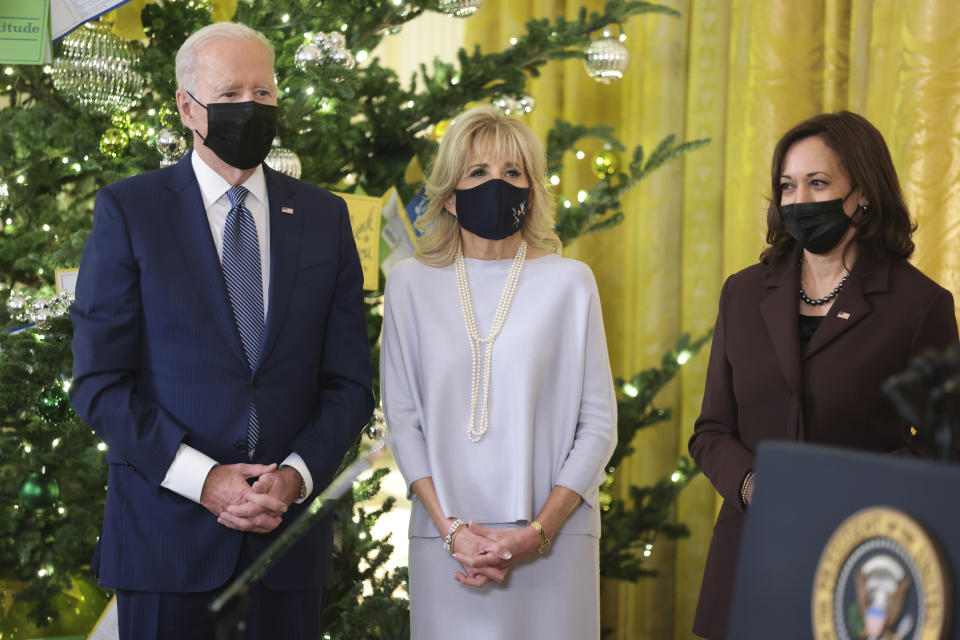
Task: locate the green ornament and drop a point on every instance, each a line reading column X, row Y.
column 605, row 164
column 113, row 142
column 38, row 491
column 138, row 130
column 120, row 119
column 53, row 405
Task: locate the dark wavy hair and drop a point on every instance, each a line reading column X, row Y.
column 884, row 229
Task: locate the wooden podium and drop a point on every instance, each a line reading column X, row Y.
column 849, row 545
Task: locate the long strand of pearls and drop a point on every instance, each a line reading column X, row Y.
column 483, row 370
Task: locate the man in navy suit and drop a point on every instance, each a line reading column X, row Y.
column 221, row 352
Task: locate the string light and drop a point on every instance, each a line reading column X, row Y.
column 581, row 196
column 102, row 447
column 580, row 155
column 630, row 389
column 554, row 180
column 285, row 18
column 513, row 41
column 683, row 357
column 675, row 476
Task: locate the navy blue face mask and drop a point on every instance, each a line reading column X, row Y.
column 240, row 133
column 493, row 210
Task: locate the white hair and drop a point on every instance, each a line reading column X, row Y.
column 186, row 56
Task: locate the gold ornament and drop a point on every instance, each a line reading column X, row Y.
column 113, row 142
column 605, row 164
column 120, row 119
column 138, row 130
column 439, row 129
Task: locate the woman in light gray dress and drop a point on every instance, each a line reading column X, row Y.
column 499, row 398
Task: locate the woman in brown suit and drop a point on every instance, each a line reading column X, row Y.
column 805, row 338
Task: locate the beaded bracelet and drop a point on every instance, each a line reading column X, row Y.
column 447, row 543
column 747, row 481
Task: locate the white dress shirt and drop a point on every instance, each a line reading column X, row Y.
column 190, row 467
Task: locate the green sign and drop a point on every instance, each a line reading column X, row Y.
column 24, row 31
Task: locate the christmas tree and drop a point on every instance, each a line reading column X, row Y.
column 104, row 111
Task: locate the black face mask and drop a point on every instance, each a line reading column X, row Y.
column 817, row 226
column 493, row 210
column 240, row 133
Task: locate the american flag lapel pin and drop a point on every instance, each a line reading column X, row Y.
column 287, row 210
column 843, row 315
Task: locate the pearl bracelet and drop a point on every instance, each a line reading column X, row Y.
column 447, row 543
column 747, row 481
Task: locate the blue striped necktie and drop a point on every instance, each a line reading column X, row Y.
column 241, row 271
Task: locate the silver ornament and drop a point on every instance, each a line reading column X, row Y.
column 16, row 303
column 97, row 70
column 336, row 40
column 308, row 55
column 525, row 103
column 459, row 8
column 171, row 145
column 503, row 104
column 507, row 105
column 342, row 58
column 606, row 60
column 283, row 160
column 4, row 197
column 378, row 426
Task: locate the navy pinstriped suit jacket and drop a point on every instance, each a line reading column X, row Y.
column 158, row 361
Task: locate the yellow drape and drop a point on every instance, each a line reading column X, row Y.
column 740, row 72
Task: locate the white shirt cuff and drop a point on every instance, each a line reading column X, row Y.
column 188, row 472
column 294, row 460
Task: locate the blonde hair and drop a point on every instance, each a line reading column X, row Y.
column 186, row 60
column 474, row 129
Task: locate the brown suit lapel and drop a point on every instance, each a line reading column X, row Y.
column 851, row 306
column 779, row 311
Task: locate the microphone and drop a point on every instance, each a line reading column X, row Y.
column 927, row 370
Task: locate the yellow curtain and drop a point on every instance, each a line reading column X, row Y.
column 740, row 72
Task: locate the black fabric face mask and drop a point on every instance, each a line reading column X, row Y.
column 240, row 133
column 817, row 226
column 493, row 210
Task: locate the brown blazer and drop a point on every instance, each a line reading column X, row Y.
column 761, row 387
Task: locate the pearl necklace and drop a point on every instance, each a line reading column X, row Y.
column 825, row 299
column 483, row 370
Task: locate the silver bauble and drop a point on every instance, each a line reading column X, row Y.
column 336, row 40
column 342, row 58
column 4, row 197
column 525, row 103
column 459, row 8
column 503, row 104
column 171, row 145
column 606, row 60
column 308, row 55
column 283, row 160
column 97, row 70
column 378, row 426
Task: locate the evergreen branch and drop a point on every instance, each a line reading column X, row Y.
column 606, row 194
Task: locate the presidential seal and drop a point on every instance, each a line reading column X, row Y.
column 880, row 577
